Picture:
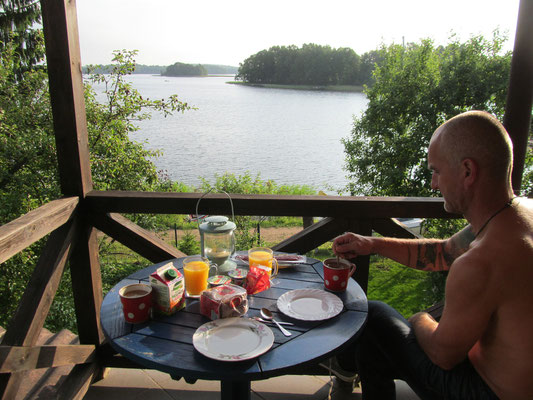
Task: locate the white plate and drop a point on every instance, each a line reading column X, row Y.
column 233, row 339
column 309, row 304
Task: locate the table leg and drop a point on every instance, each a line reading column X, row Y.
column 235, row 390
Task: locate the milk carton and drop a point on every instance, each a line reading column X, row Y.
column 168, row 289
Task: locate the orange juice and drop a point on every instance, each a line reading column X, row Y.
column 261, row 257
column 196, row 273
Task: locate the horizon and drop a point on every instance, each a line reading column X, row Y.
column 228, row 33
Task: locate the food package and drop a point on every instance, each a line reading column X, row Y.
column 224, row 301
column 168, row 289
column 257, row 280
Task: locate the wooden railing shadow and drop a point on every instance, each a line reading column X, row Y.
column 70, row 222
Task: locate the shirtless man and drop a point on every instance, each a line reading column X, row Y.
column 483, row 345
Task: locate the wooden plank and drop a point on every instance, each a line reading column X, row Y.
column 16, row 235
column 78, row 381
column 269, row 205
column 41, row 289
column 313, row 236
column 393, row 228
column 363, row 227
column 87, row 285
column 66, row 94
column 517, row 116
column 16, row 358
column 143, row 242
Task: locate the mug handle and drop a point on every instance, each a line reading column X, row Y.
column 215, row 266
column 274, row 272
column 352, row 270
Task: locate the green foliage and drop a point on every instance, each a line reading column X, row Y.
column 245, row 184
column 17, row 21
column 189, row 244
column 418, row 87
column 181, row 69
column 28, row 164
column 309, row 65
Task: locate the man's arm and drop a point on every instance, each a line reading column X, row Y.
column 423, row 254
column 467, row 312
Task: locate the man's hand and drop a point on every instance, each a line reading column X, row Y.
column 351, row 245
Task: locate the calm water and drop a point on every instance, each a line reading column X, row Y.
column 289, row 136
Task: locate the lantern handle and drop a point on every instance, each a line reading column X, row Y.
column 205, row 194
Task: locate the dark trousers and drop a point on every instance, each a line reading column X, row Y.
column 388, row 350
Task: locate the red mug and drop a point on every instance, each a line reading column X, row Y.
column 336, row 274
column 136, row 302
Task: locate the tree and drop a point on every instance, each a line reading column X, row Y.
column 17, row 21
column 28, row 164
column 311, row 64
column 181, row 69
column 418, row 87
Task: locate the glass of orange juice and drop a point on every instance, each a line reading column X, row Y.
column 265, row 257
column 196, row 271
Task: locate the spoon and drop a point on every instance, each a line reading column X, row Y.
column 266, row 314
column 270, row 322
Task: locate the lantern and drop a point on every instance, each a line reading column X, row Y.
column 217, row 240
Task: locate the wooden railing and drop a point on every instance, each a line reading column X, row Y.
column 69, row 220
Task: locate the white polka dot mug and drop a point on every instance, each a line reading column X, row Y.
column 136, row 302
column 336, row 274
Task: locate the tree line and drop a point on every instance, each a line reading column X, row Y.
column 172, row 70
column 310, row 64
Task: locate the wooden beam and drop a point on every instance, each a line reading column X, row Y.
column 34, row 306
column 66, row 94
column 87, row 285
column 143, row 242
column 517, row 119
column 16, row 358
column 313, row 236
column 16, row 235
column 362, row 227
column 394, row 228
column 268, row 205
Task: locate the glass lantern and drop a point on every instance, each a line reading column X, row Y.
column 217, row 242
column 217, row 239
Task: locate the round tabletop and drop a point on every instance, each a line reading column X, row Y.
column 165, row 343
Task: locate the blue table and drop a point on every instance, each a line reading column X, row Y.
column 165, row 342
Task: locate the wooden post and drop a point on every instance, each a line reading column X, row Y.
column 520, row 93
column 362, row 227
column 70, row 126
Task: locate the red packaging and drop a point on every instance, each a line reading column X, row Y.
column 224, row 301
column 257, row 279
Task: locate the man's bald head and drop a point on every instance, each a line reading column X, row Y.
column 479, row 136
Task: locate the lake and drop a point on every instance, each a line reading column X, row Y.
column 288, row 136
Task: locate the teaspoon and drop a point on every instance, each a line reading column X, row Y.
column 266, row 314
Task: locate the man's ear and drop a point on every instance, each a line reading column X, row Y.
column 470, row 170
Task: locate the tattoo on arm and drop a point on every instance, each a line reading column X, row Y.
column 439, row 256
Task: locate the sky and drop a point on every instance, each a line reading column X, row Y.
column 215, row 32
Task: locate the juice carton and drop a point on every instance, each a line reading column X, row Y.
column 168, row 289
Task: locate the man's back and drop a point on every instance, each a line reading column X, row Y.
column 503, row 356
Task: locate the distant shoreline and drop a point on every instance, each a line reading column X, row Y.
column 329, row 88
